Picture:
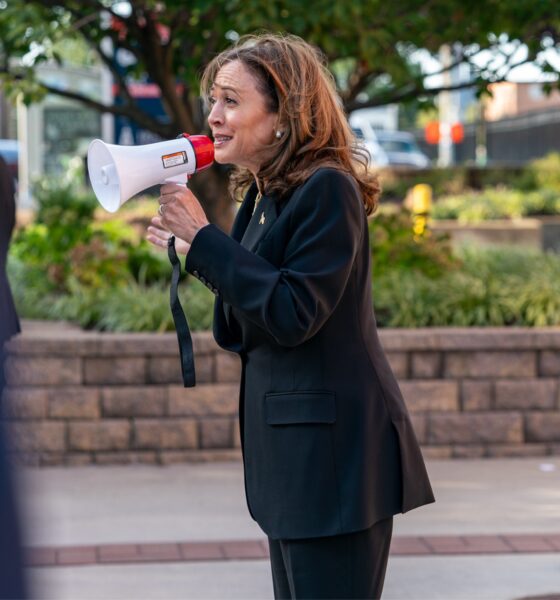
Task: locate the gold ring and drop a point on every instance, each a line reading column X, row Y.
column 160, row 210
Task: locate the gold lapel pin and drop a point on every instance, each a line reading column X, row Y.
column 261, row 220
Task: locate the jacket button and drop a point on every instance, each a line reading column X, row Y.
column 215, row 290
column 195, row 273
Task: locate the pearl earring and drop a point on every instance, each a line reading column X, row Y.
column 279, row 134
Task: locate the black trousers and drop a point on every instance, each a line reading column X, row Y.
column 340, row 567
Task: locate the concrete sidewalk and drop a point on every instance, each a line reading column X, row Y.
column 95, row 506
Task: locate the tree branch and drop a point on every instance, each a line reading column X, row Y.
column 133, row 113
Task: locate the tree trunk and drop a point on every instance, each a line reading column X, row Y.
column 211, row 188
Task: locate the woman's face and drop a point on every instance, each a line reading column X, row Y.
column 242, row 127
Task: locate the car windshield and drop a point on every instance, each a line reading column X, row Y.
column 358, row 132
column 393, row 145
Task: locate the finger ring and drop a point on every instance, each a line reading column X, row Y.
column 160, row 210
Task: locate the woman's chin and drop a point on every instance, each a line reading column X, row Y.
column 221, row 160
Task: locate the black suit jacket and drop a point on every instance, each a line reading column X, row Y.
column 327, row 442
column 9, row 323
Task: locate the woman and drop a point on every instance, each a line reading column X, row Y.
column 329, row 452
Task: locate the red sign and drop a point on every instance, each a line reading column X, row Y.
column 457, row 133
column 431, row 132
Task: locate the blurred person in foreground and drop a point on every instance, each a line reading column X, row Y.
column 11, row 569
column 328, row 447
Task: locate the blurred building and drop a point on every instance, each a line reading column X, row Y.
column 58, row 128
column 511, row 99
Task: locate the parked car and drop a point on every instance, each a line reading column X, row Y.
column 9, row 151
column 388, row 148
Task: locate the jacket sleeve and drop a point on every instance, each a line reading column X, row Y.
column 293, row 301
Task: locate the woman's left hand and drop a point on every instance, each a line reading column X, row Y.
column 180, row 211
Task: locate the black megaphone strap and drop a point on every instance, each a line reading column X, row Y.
column 181, row 325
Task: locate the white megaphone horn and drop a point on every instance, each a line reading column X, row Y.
column 119, row 172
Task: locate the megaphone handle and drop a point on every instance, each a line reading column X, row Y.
column 179, row 179
column 181, row 325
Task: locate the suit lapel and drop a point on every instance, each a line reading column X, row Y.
column 261, row 221
column 244, row 214
column 239, row 227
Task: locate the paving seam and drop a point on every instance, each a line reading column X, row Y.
column 255, row 549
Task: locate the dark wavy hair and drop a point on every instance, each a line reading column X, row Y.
column 294, row 79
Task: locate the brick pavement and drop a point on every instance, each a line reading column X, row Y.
column 258, row 549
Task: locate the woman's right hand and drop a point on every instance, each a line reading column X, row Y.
column 158, row 236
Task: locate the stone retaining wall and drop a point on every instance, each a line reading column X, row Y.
column 82, row 397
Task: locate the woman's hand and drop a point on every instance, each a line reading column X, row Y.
column 181, row 212
column 158, row 236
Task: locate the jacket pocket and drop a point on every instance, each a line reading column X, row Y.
column 286, row 408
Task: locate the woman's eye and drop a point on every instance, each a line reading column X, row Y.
column 211, row 101
column 230, row 100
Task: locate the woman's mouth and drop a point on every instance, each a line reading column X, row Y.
column 220, row 140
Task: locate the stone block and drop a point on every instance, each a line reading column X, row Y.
column 228, row 367
column 420, row 426
column 430, row 395
column 468, row 451
column 99, row 435
column 526, row 394
column 204, row 367
column 484, row 364
column 204, row 400
column 216, row 433
column 436, row 452
column 399, row 364
column 543, row 426
column 476, row 395
column 78, row 459
column 114, row 370
column 61, row 341
column 426, row 365
column 37, row 370
column 472, row 428
column 549, row 363
column 38, row 437
column 167, row 369
column 147, row 457
column 164, row 369
column 165, row 434
column 169, row 457
column 236, row 433
column 74, row 403
column 134, row 401
column 553, row 449
column 26, row 403
column 204, row 343
column 52, row 459
column 516, row 450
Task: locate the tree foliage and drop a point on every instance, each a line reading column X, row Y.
column 371, row 45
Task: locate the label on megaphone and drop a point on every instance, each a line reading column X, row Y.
column 119, row 172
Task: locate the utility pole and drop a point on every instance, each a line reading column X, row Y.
column 448, row 105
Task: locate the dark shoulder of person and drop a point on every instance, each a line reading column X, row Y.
column 7, row 199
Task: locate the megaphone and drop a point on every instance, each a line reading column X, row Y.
column 119, row 172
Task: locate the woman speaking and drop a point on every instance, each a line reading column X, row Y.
column 329, row 452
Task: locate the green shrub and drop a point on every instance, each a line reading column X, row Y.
column 104, row 275
column 495, row 287
column 129, row 306
column 542, row 173
column 496, row 203
column 395, row 248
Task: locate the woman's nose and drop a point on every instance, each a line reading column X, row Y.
column 216, row 115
